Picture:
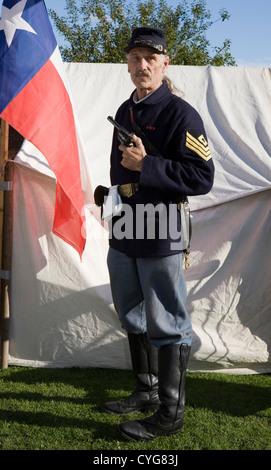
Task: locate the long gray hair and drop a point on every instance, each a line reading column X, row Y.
column 172, row 87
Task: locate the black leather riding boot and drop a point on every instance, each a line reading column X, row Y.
column 172, row 363
column 144, row 358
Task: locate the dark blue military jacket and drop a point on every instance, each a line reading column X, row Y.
column 150, row 223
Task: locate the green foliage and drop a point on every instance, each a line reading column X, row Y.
column 98, row 30
column 60, row 409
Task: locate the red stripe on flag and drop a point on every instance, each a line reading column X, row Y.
column 42, row 113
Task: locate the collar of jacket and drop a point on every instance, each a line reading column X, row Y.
column 161, row 93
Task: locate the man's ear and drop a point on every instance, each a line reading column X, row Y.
column 165, row 64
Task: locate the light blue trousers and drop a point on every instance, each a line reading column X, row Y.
column 149, row 295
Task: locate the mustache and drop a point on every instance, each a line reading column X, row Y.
column 142, row 73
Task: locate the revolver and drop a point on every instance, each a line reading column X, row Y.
column 124, row 136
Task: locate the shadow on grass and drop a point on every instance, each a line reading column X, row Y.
column 96, row 428
column 233, row 395
column 63, row 389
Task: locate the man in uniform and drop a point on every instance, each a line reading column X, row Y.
column 169, row 161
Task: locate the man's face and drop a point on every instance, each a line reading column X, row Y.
column 146, row 69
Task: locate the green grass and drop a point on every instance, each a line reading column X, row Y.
column 59, row 409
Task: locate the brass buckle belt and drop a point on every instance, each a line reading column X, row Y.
column 128, row 190
column 179, row 204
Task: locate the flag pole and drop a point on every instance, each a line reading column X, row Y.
column 7, row 168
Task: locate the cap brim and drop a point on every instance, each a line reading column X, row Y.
column 154, row 48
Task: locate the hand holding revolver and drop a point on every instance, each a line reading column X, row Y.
column 132, row 157
column 133, row 150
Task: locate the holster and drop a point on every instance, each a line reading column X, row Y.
column 99, row 195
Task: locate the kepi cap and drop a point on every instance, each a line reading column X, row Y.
column 147, row 36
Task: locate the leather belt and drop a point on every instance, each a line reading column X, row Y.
column 128, row 190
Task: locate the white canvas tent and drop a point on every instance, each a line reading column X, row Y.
column 61, row 308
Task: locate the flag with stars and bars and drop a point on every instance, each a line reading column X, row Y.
column 34, row 100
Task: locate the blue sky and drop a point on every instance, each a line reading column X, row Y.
column 248, row 28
